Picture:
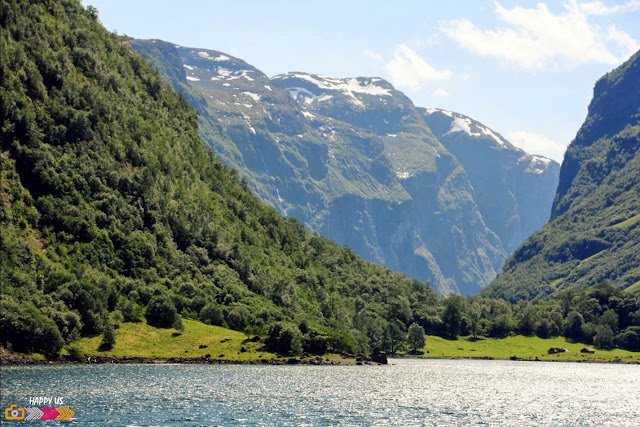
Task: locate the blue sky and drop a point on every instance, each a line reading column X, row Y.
column 524, row 68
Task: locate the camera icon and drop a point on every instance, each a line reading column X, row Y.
column 14, row 413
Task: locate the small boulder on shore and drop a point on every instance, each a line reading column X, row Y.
column 379, row 356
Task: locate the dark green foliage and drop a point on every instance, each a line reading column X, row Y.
column 603, row 315
column 111, row 202
column 108, row 337
column 212, row 314
column 314, row 342
column 452, row 317
column 415, row 337
column 603, row 337
column 573, row 326
column 131, row 312
column 27, row 329
column 629, row 339
column 161, row 312
column 284, row 339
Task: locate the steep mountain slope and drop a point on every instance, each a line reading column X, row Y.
column 354, row 160
column 438, row 231
column 111, row 203
column 357, row 164
column 514, row 190
column 594, row 233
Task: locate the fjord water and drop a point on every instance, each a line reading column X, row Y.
column 407, row 392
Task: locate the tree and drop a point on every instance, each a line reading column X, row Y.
column 394, row 335
column 108, row 337
column 212, row 314
column 603, row 337
column 416, row 336
column 161, row 312
column 573, row 327
column 452, row 317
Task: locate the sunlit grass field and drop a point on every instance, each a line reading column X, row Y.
column 521, row 347
column 142, row 340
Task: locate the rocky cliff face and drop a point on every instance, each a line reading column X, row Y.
column 594, row 232
column 355, row 160
column 514, row 190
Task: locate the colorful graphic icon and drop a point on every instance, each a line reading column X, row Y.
column 14, row 413
column 34, row 413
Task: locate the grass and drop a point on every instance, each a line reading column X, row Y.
column 627, row 223
column 142, row 340
column 557, row 282
column 521, row 347
column 634, row 289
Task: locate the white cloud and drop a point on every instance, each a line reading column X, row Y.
column 440, row 92
column 535, row 143
column 625, row 42
column 536, row 38
column 372, row 54
column 409, row 69
column 599, row 8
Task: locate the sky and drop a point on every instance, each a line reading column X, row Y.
column 526, row 69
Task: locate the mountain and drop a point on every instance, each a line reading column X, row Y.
column 594, row 232
column 113, row 209
column 514, row 190
column 356, row 161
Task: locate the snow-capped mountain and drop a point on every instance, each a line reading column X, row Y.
column 353, row 159
column 514, row 190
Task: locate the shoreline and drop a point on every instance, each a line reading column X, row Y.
column 24, row 360
column 520, row 359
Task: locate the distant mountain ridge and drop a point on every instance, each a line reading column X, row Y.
column 594, row 232
column 355, row 160
column 511, row 186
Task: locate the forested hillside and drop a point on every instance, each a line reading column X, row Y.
column 113, row 209
column 594, row 233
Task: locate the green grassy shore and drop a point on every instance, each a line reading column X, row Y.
column 527, row 348
column 198, row 340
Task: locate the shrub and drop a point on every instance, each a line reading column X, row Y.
column 212, row 314
column 131, row 312
column 629, row 339
column 416, row 336
column 238, row 318
column 28, row 330
column 284, row 339
column 108, row 337
column 161, row 312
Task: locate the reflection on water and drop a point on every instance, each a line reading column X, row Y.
column 408, row 392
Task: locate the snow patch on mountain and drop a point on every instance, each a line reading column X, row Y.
column 193, row 79
column 252, row 95
column 219, row 58
column 537, row 164
column 439, row 110
column 306, row 95
column 465, row 124
column 351, row 87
